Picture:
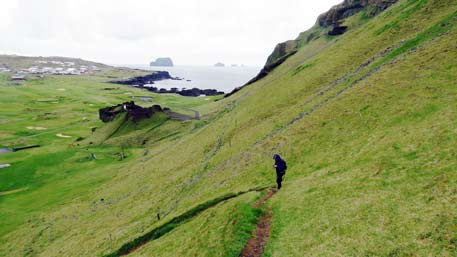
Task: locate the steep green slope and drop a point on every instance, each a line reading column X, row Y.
column 366, row 122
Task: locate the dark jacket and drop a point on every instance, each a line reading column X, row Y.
column 280, row 165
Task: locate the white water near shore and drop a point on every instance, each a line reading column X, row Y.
column 204, row 77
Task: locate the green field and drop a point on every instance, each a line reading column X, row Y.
column 366, row 122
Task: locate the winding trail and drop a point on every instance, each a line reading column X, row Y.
column 256, row 244
column 180, row 116
column 196, row 113
column 159, row 231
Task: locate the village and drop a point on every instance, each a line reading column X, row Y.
column 42, row 68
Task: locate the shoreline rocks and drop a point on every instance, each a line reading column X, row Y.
column 144, row 80
column 193, row 92
column 141, row 81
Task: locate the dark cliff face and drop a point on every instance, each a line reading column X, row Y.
column 351, row 7
column 281, row 50
column 330, row 22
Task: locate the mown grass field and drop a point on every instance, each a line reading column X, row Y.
column 365, row 121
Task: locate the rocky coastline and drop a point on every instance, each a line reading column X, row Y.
column 146, row 81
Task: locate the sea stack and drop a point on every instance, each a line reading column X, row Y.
column 164, row 62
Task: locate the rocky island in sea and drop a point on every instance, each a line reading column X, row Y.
column 219, row 64
column 164, row 62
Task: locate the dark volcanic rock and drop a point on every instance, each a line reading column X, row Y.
column 337, row 30
column 135, row 112
column 199, row 92
column 162, row 75
column 143, row 80
column 185, row 92
column 351, row 7
column 281, row 50
column 165, row 62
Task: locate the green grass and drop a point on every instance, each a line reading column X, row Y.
column 242, row 229
column 371, row 155
column 388, row 27
column 437, row 29
column 407, row 9
column 301, row 67
column 59, row 161
column 235, row 219
column 23, row 173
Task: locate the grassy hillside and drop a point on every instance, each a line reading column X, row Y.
column 365, row 121
column 58, row 113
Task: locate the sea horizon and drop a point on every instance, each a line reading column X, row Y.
column 203, row 76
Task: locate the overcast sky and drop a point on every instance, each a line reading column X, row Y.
column 199, row 32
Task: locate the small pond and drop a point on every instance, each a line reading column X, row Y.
column 4, row 150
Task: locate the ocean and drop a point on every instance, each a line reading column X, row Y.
column 204, row 77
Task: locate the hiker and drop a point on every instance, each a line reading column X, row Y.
column 280, row 166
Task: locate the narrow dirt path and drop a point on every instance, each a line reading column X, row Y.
column 180, row 116
column 196, row 113
column 159, row 231
column 262, row 200
column 256, row 244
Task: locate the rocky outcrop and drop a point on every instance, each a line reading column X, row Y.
column 351, row 7
column 219, row 64
column 337, row 30
column 164, row 62
column 199, row 92
column 144, row 80
column 134, row 112
column 185, row 92
column 283, row 49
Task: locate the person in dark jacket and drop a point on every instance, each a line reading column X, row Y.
column 280, row 166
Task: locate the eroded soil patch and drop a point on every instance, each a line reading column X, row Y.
column 256, row 244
